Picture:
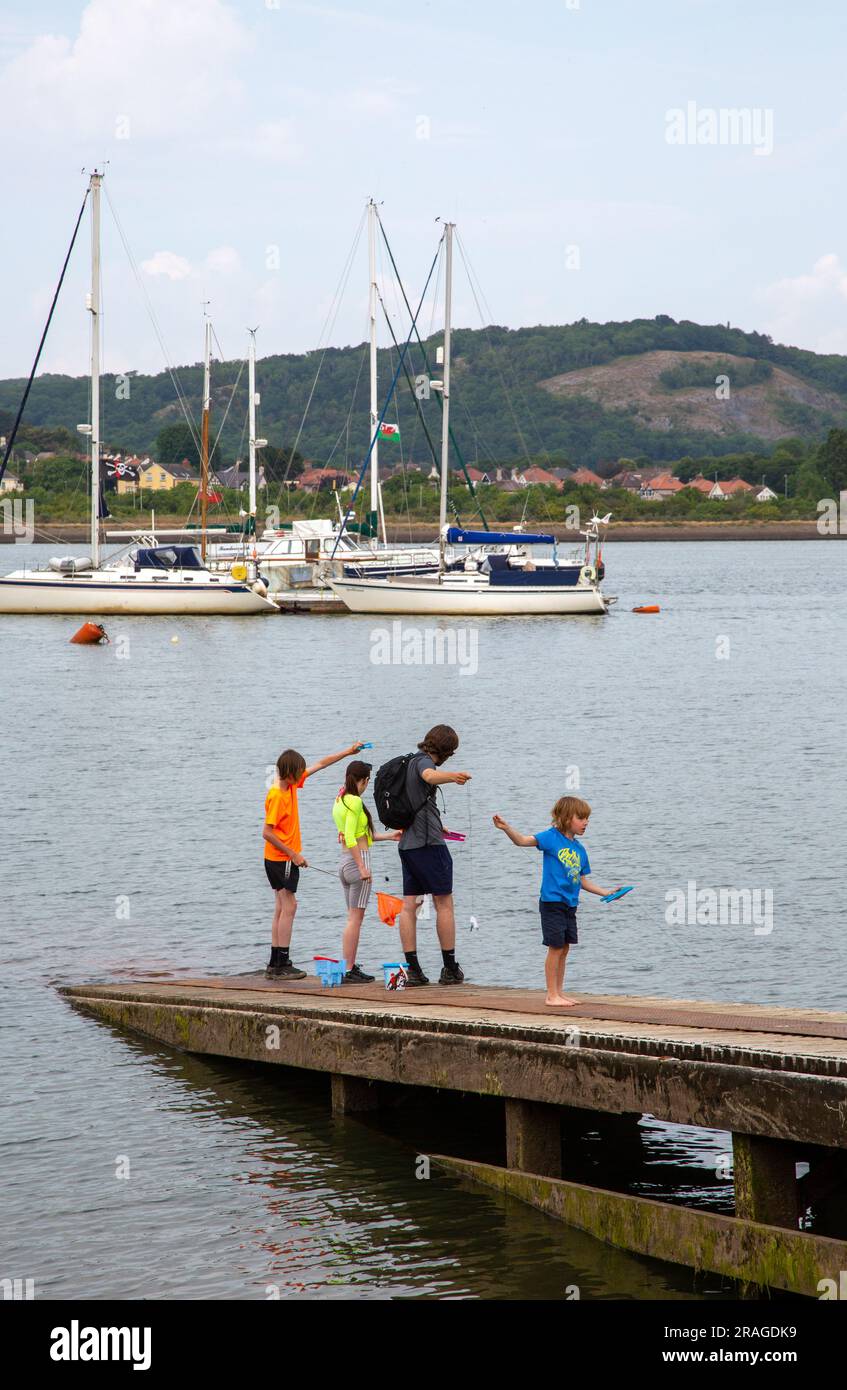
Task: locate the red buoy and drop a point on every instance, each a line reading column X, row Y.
column 89, row 634
column 648, row 608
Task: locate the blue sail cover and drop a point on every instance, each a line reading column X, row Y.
column 458, row 537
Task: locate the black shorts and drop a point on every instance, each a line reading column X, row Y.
column 558, row 924
column 282, row 874
column 427, row 870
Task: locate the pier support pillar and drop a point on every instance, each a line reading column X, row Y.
column 765, row 1180
column 534, row 1138
column 350, row 1094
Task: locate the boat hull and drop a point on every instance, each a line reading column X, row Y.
column 28, row 594
column 482, row 600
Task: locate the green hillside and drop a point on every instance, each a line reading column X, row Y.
column 512, row 397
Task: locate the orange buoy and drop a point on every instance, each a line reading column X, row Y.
column 90, row 634
column 648, row 608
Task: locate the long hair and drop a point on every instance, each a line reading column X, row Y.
column 354, row 773
column 564, row 811
column 440, row 743
column 290, row 766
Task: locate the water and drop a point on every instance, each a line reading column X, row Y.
column 135, row 777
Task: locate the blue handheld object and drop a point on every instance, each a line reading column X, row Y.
column 366, row 745
column 610, row 897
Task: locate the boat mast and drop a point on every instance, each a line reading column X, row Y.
column 204, row 437
column 94, row 307
column 372, row 306
column 445, row 393
column 251, row 428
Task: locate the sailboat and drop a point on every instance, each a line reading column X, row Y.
column 164, row 579
column 488, row 584
column 297, row 558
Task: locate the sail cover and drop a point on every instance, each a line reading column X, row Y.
column 455, row 536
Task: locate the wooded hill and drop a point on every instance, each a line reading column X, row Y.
column 582, row 393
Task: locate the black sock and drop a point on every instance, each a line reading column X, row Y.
column 274, row 955
column 412, row 959
column 449, row 958
column 282, row 957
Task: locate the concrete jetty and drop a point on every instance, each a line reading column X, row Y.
column 776, row 1079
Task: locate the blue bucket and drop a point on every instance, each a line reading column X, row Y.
column 330, row 972
column 394, row 974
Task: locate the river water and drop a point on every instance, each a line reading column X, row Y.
column 709, row 741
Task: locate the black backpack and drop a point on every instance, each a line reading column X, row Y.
column 393, row 806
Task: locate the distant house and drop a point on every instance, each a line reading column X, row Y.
column 122, row 473
column 729, row 487
column 323, row 480
column 11, row 484
column 238, row 477
column 664, row 485
column 701, row 484
column 477, row 478
column 541, row 476
column 630, row 482
column 161, row 477
column 508, row 479
column 765, row 494
column 585, row 477
column 565, row 475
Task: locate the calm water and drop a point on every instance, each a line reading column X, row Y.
column 136, row 782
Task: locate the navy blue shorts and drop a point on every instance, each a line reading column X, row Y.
column 282, row 874
column 558, row 924
column 427, row 870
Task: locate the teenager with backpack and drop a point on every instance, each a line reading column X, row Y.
column 405, row 795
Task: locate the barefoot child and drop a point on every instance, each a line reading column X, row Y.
column 565, row 870
column 283, row 857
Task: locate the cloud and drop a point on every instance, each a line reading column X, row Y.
column 167, row 263
column 809, row 308
column 224, row 260
column 149, row 68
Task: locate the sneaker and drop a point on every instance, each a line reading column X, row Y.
column 415, row 976
column 272, row 971
column 451, row 975
column 357, row 977
column 289, row 972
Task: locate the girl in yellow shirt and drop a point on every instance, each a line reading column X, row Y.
column 356, row 835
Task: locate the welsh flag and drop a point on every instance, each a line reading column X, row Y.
column 389, row 431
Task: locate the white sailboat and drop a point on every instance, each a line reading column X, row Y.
column 169, row 579
column 298, row 558
column 486, row 586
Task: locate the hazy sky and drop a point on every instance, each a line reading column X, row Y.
column 541, row 128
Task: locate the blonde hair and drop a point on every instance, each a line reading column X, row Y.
column 566, row 808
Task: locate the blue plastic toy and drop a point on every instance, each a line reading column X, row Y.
column 610, row 897
column 330, row 972
column 366, row 745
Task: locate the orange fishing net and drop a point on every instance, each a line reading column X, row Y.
column 388, row 907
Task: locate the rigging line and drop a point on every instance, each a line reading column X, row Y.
column 226, row 412
column 411, row 386
column 472, row 277
column 367, row 457
column 345, row 428
column 11, row 440
column 152, row 316
column 332, row 313
column 453, row 440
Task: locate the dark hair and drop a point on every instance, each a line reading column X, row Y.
column 356, row 772
column 440, row 742
column 290, row 765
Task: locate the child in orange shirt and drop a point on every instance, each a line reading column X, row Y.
column 283, row 856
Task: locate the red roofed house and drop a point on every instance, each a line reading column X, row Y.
column 585, row 476
column 701, row 484
column 662, row 486
column 540, row 475
column 322, row 480
column 729, row 487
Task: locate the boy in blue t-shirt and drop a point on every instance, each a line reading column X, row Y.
column 565, row 870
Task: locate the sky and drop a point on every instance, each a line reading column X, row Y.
column 577, row 144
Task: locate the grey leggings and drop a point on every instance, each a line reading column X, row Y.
column 357, row 890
